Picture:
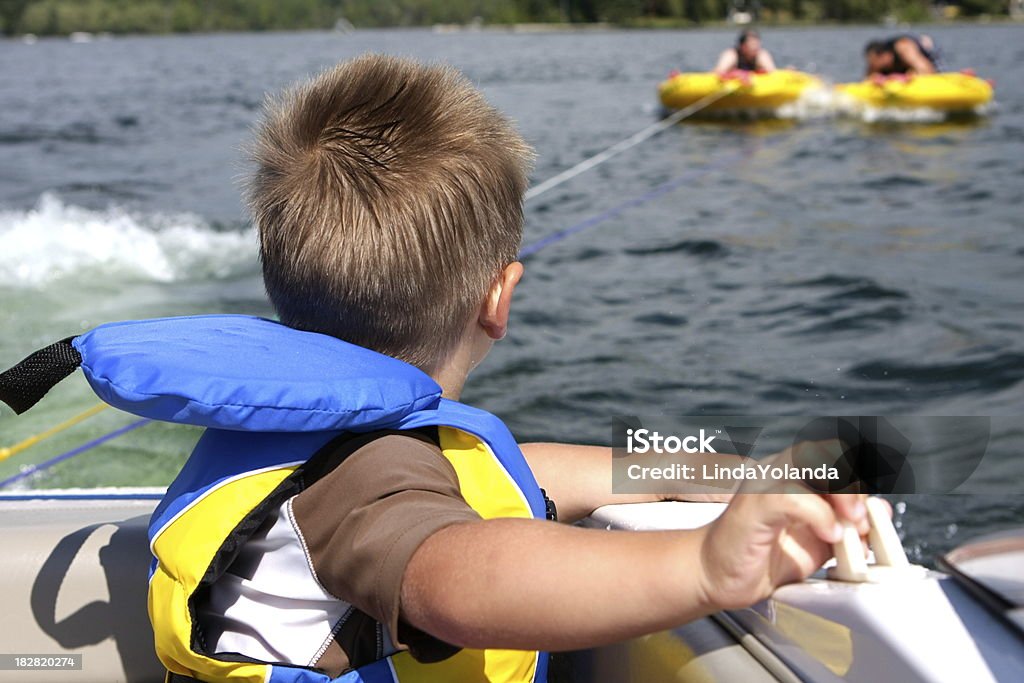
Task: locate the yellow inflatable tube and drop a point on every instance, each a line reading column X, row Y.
column 753, row 91
column 944, row 92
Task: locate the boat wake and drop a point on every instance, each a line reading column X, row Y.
column 54, row 240
column 813, row 103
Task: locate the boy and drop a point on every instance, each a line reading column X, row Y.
column 748, row 55
column 905, row 54
column 388, row 200
column 340, row 519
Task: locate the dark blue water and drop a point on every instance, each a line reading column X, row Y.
column 812, row 266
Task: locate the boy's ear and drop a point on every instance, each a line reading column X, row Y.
column 495, row 310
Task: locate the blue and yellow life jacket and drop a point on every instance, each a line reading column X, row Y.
column 271, row 397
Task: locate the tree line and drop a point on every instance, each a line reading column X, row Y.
column 61, row 17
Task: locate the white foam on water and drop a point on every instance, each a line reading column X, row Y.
column 852, row 108
column 813, row 103
column 55, row 240
column 901, row 115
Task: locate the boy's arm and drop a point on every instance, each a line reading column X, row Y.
column 911, row 54
column 726, row 62
column 526, row 584
column 579, row 478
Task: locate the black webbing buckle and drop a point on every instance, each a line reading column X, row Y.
column 550, row 511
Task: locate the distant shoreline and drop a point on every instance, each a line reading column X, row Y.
column 541, row 27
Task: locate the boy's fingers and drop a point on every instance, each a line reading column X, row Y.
column 816, row 513
column 805, row 558
column 850, row 507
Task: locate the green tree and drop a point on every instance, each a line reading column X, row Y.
column 155, row 16
column 11, row 12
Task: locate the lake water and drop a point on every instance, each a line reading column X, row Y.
column 805, row 267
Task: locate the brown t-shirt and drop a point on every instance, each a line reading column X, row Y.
column 362, row 522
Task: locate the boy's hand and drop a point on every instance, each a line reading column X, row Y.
column 763, row 541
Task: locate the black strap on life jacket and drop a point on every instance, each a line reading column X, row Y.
column 22, row 386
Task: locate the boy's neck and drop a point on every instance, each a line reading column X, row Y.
column 451, row 379
column 451, row 374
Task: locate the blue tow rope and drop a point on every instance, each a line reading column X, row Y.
column 47, row 464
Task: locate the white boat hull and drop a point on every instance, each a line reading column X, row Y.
column 74, row 575
column 926, row 630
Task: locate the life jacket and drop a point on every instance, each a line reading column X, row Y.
column 742, row 63
column 271, row 397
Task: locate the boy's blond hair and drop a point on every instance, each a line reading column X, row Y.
column 388, row 196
